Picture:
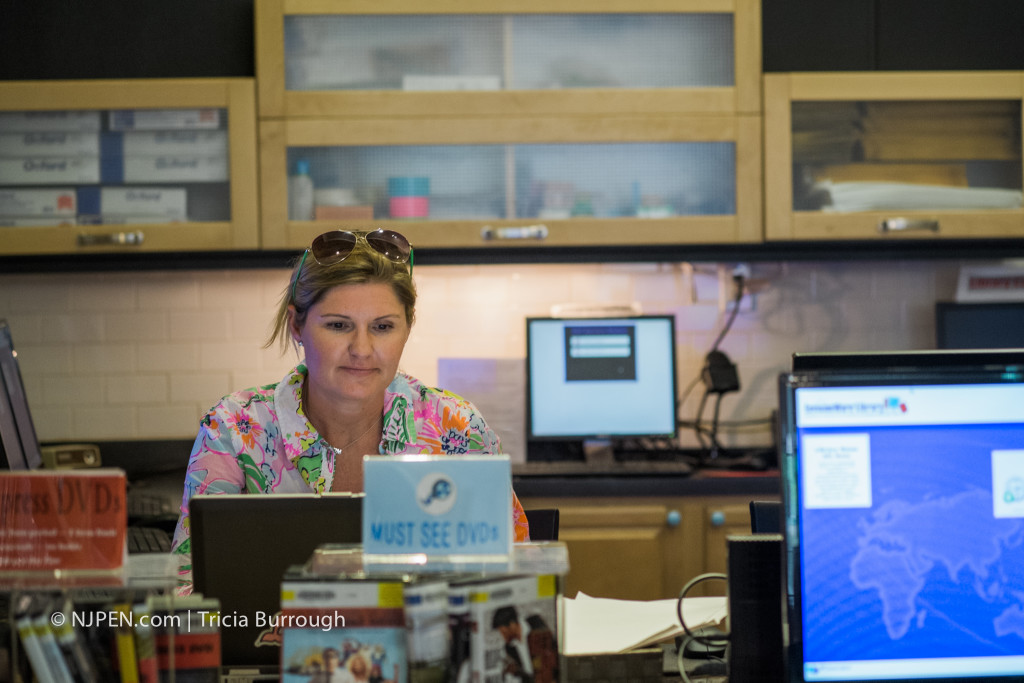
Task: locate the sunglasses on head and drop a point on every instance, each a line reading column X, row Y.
column 335, row 246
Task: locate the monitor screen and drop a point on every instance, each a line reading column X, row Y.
column 600, row 378
column 19, row 446
column 995, row 325
column 904, row 523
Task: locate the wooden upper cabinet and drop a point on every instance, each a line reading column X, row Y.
column 472, row 124
column 128, row 165
column 856, row 156
column 452, row 58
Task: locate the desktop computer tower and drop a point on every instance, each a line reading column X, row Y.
column 755, row 652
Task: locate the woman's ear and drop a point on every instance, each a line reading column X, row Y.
column 294, row 329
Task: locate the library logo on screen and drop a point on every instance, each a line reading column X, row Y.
column 436, row 493
column 889, row 406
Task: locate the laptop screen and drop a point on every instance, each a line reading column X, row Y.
column 904, row 523
column 241, row 547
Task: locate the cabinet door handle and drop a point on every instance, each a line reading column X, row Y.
column 907, row 225
column 524, row 232
column 673, row 518
column 113, row 239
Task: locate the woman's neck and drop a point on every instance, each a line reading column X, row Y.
column 342, row 422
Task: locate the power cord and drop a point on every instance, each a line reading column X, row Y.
column 712, row 641
column 720, row 377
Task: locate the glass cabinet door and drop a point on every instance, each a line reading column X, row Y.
column 483, row 182
column 402, row 58
column 128, row 165
column 928, row 154
column 534, row 181
column 481, row 52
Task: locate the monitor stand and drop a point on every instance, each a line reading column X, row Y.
column 598, row 452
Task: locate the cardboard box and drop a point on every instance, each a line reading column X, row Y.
column 176, row 169
column 31, row 222
column 164, row 203
column 164, row 119
column 36, row 121
column 49, row 170
column 49, row 143
column 175, row 142
column 31, row 203
column 344, row 213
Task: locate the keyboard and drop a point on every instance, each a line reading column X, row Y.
column 149, row 506
column 148, row 539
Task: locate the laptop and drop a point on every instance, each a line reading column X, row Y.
column 904, row 521
column 241, row 547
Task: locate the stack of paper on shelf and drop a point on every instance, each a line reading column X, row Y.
column 847, row 197
column 606, row 626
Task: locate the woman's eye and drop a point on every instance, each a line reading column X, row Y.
column 338, row 325
column 383, row 327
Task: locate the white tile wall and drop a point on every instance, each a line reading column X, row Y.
column 143, row 355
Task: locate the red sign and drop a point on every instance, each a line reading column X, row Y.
column 62, row 520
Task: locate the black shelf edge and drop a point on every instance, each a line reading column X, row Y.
column 902, row 249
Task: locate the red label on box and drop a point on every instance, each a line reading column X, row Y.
column 62, row 520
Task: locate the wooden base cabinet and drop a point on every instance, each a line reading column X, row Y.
column 646, row 548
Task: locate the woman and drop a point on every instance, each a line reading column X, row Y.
column 350, row 307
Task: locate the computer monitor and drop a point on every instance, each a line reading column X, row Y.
column 19, row 444
column 241, row 547
column 989, row 325
column 903, row 496
column 600, row 378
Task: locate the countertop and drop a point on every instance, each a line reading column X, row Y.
column 162, row 463
column 638, row 482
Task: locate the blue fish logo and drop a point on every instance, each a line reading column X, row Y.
column 442, row 489
column 436, row 493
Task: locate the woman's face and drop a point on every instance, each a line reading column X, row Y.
column 353, row 338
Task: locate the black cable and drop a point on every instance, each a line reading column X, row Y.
column 740, row 285
column 715, row 640
column 711, row 641
column 698, row 429
column 714, row 423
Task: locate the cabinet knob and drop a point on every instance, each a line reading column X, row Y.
column 907, row 225
column 717, row 518
column 117, row 239
column 673, row 518
column 525, row 232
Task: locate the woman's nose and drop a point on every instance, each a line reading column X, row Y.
column 361, row 344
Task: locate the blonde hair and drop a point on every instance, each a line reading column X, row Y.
column 310, row 281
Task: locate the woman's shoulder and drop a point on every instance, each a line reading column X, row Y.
column 263, row 395
column 417, row 392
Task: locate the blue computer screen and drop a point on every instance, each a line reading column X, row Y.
column 908, row 515
column 601, row 377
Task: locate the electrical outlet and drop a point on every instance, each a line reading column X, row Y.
column 727, row 283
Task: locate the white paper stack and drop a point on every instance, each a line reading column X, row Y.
column 593, row 626
column 869, row 196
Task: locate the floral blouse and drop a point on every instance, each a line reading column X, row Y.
column 259, row 441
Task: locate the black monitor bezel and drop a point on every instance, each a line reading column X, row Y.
column 946, row 310
column 855, row 372
column 531, row 437
column 19, row 443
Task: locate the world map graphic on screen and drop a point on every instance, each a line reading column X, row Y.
column 930, row 561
